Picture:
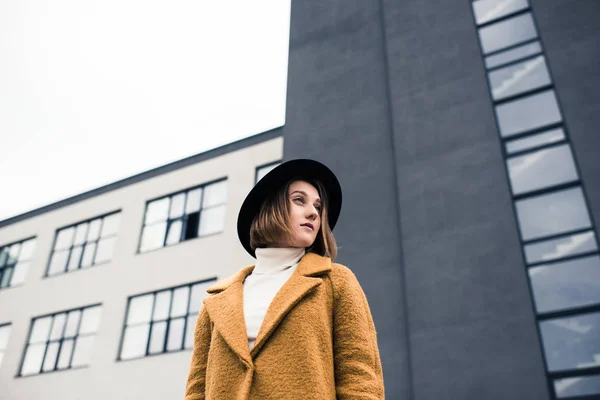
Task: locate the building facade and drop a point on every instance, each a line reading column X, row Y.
column 464, row 135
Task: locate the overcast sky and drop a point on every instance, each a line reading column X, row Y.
column 94, row 91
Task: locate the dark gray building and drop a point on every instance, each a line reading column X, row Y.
column 465, row 135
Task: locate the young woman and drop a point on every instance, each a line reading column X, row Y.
column 295, row 325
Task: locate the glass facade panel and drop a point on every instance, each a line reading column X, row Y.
column 72, row 323
column 175, row 340
column 567, row 284
column 180, row 301
column 489, row 10
column 518, row 78
column 562, row 247
column 174, row 234
column 110, row 225
column 90, row 320
column 177, row 205
column 157, row 337
column 41, row 330
column 215, row 194
column 511, row 55
column 578, row 386
column 135, row 341
column 157, row 210
column 533, row 141
column 19, row 273
column 528, row 113
column 507, row 33
column 66, row 352
column 58, row 262
column 212, row 220
column 552, row 213
column 64, row 239
column 51, row 356
column 104, row 252
column 541, row 169
column 140, row 309
column 32, row 363
column 153, row 237
column 193, row 200
column 83, row 351
column 572, row 342
column 162, row 305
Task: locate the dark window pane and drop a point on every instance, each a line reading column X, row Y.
column 58, row 326
column 72, row 323
column 64, row 239
column 566, row 284
column 578, row 386
column 193, row 200
column 541, row 169
column 507, row 33
column 50, row 358
column 174, row 232
column 83, row 351
column 135, row 341
column 75, row 258
column 32, row 363
column 81, row 233
column 519, row 78
column 162, row 305
column 90, row 320
column 104, row 252
column 140, row 309
column 539, row 139
column 215, row 194
column 66, row 350
column 558, row 248
column 58, row 262
column 513, row 54
column 528, row 113
column 177, row 204
column 552, row 213
column 88, row 254
column 153, row 237
column 157, row 337
column 191, row 229
column 110, row 225
column 94, row 230
column 212, row 220
column 489, row 10
column 572, row 342
column 157, row 210
column 175, row 340
column 40, row 330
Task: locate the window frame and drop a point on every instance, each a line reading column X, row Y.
column 4, row 268
column 259, row 167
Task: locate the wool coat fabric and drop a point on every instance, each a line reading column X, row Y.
column 317, row 340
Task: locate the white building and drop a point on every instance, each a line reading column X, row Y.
column 99, row 293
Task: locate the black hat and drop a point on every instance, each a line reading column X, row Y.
column 275, row 179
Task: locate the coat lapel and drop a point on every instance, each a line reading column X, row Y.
column 302, row 281
column 226, row 309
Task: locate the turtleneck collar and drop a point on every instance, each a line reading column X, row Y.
column 271, row 260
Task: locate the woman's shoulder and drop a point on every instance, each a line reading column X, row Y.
column 343, row 279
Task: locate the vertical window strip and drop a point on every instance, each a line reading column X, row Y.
column 85, row 244
column 4, row 336
column 14, row 262
column 551, row 254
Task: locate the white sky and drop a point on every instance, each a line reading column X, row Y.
column 94, row 91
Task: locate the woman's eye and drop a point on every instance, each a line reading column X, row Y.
column 299, row 199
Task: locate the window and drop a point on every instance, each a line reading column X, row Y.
column 196, row 212
column 84, row 244
column 4, row 334
column 579, row 386
column 14, row 262
column 535, row 141
column 507, row 33
column 514, row 54
column 528, row 113
column 61, row 341
column 162, row 321
column 263, row 170
column 519, row 78
column 490, row 10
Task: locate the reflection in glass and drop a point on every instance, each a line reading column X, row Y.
column 489, row 10
column 507, row 33
column 215, row 194
column 157, row 210
column 540, row 169
column 157, row 337
column 140, row 309
column 558, row 248
column 572, row 342
column 175, row 339
column 517, row 53
column 528, row 113
column 578, row 386
column 552, row 213
column 567, row 284
column 135, row 341
column 153, row 237
column 539, row 139
column 518, row 78
column 212, row 220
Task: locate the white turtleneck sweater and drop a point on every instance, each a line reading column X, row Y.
column 273, row 268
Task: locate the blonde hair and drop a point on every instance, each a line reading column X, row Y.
column 272, row 223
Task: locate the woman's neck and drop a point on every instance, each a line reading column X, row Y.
column 271, row 260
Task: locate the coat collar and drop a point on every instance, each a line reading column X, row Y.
column 226, row 310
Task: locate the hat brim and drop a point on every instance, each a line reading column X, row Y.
column 300, row 168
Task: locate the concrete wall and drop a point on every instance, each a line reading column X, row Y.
column 156, row 377
column 393, row 96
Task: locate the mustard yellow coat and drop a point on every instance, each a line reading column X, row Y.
column 317, row 340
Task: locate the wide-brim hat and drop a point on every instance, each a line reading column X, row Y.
column 302, row 169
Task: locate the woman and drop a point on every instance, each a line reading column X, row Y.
column 295, row 325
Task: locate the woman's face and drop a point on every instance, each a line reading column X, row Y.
column 305, row 214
